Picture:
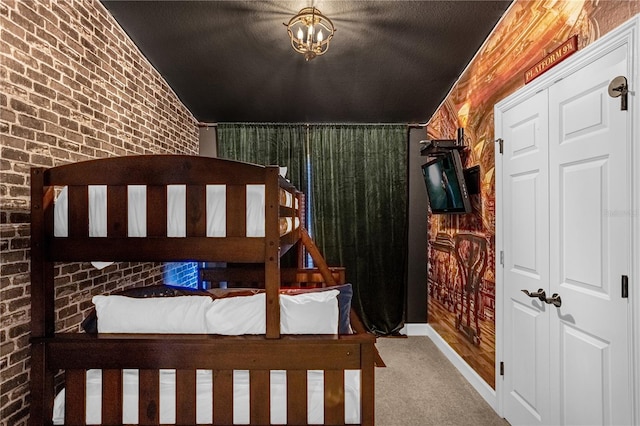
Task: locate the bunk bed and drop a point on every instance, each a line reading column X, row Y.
column 297, row 357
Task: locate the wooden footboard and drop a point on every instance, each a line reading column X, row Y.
column 76, row 353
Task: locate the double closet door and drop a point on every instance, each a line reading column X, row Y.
column 564, row 198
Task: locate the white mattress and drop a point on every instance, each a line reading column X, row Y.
column 315, row 404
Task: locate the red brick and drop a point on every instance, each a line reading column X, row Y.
column 12, row 179
column 19, row 106
column 30, row 122
column 91, row 84
column 46, row 13
column 69, row 124
column 8, row 116
column 49, row 116
column 26, row 10
column 44, row 91
column 55, row 129
column 41, row 160
column 22, row 132
column 14, row 41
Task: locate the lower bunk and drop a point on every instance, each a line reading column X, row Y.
column 149, row 363
column 171, row 355
column 205, row 379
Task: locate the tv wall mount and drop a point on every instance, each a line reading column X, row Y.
column 433, row 147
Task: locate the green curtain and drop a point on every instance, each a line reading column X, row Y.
column 266, row 144
column 358, row 201
column 359, row 214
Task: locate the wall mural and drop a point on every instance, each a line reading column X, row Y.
column 461, row 254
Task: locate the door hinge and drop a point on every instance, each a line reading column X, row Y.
column 500, row 142
column 625, row 287
column 502, row 257
column 501, row 368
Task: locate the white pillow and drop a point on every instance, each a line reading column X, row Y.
column 309, row 313
column 167, row 315
column 237, row 315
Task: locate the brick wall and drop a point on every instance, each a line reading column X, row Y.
column 73, row 87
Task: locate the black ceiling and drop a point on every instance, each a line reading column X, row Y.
column 231, row 61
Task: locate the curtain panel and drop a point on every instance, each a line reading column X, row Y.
column 357, row 197
column 267, row 144
column 359, row 214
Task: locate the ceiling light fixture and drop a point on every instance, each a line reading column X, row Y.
column 310, row 32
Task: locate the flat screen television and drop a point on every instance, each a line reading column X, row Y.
column 446, row 186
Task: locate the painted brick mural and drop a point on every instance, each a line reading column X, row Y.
column 464, row 313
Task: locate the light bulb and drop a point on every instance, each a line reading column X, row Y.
column 320, row 37
column 300, row 34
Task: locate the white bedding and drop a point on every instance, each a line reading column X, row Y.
column 315, row 402
column 304, row 313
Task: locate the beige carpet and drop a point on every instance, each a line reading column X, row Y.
column 421, row 387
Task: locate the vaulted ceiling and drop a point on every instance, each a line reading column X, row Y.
column 232, row 61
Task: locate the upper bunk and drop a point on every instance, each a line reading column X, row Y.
column 160, row 208
column 164, row 208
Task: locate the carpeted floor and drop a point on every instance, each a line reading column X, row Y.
column 420, row 387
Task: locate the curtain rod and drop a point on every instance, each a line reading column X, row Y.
column 311, row 124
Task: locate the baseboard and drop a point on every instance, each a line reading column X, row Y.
column 416, row 329
column 487, row 393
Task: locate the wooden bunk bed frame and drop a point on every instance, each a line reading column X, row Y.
column 74, row 353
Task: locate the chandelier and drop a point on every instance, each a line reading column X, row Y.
column 310, row 32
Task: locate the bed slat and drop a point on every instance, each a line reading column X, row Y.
column 149, row 403
column 186, row 397
column 42, row 387
column 47, row 208
column 75, row 402
column 156, row 211
column 333, row 397
column 367, row 383
column 296, row 397
column 117, row 225
column 196, row 211
column 236, row 210
column 260, row 397
column 222, row 397
column 111, row 397
column 272, row 254
column 231, row 249
column 78, row 211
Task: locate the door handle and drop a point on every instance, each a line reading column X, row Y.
column 554, row 300
column 540, row 294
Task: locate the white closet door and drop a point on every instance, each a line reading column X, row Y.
column 567, row 229
column 525, row 211
column 590, row 195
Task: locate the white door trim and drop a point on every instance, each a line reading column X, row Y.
column 634, row 109
column 627, row 34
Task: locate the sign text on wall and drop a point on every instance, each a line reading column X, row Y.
column 558, row 55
